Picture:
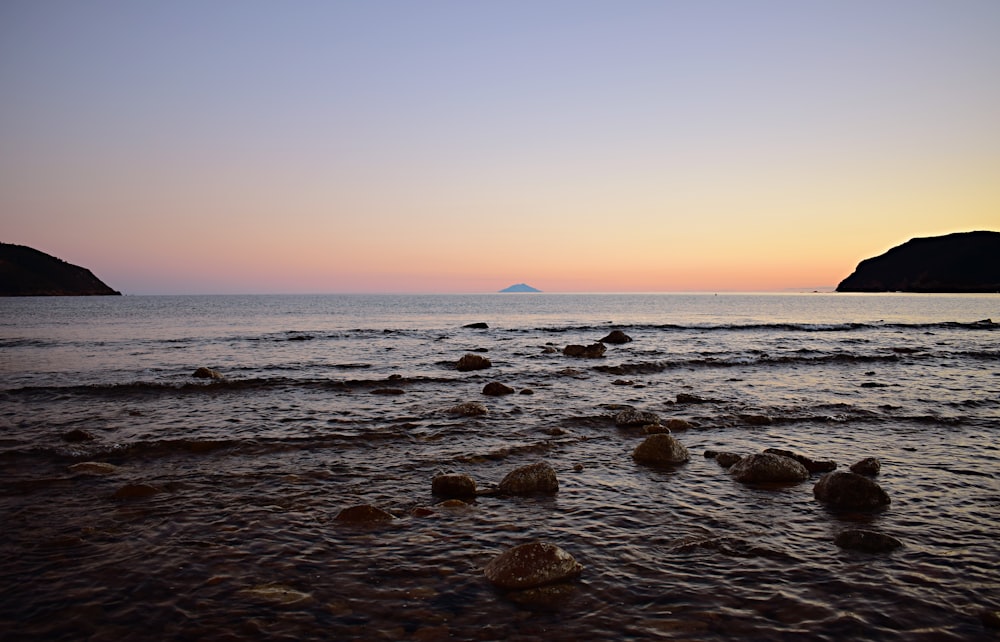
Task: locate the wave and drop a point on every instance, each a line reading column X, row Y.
column 985, row 324
column 652, row 367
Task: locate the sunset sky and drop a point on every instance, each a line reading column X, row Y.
column 437, row 146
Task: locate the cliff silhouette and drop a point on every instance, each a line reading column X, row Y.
column 960, row 262
column 25, row 271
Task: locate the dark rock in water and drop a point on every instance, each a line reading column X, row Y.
column 136, row 491
column 497, row 389
column 960, row 262
column 683, row 397
column 526, row 391
column 469, row 409
column 539, row 477
column 631, row 417
column 725, row 459
column 531, row 565
column 868, row 541
column 679, row 425
column 812, row 465
column 616, row 337
column 206, row 373
column 476, row 326
column 768, row 468
column 869, row 467
column 472, row 362
column 660, row 450
column 25, row 271
column 363, row 514
column 655, row 429
column 388, row 391
column 454, row 485
column 76, row 435
column 593, row 351
column 850, row 491
column 756, row 420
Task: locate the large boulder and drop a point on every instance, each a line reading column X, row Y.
column 531, row 565
column 535, row 478
column 768, row 468
column 453, row 485
column 594, row 351
column 471, row 361
column 850, row 491
column 660, row 450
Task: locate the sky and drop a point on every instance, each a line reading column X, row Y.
column 247, row 146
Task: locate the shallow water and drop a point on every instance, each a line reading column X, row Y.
column 241, row 538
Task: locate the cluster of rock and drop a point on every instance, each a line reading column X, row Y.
column 838, row 490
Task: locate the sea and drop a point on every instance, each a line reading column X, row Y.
column 138, row 502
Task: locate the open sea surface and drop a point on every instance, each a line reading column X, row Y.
column 228, row 526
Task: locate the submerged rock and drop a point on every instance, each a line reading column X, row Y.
column 593, row 351
column 207, row 373
column 684, row 397
column 454, row 485
column 278, row 594
column 616, row 337
column 868, row 541
column 850, row 491
column 869, row 467
column 756, row 420
column 812, row 465
column 477, row 326
column 539, row 477
column 363, row 514
column 631, row 417
column 724, row 459
column 532, row 565
column 136, row 491
column 660, row 450
column 679, row 424
column 93, row 468
column 468, row 409
column 76, row 435
column 768, row 468
column 472, row 362
column 497, row 389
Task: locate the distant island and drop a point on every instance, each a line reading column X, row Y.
column 25, row 271
column 960, row 262
column 520, row 287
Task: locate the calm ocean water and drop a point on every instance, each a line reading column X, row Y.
column 333, row 401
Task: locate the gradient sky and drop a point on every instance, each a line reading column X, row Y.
column 436, row 146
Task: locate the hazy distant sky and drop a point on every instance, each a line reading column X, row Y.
column 435, row 146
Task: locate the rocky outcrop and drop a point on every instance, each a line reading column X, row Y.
column 533, row 479
column 660, row 449
column 25, row 271
column 961, row 262
column 768, row 468
column 531, row 565
column 850, row 491
column 472, row 362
